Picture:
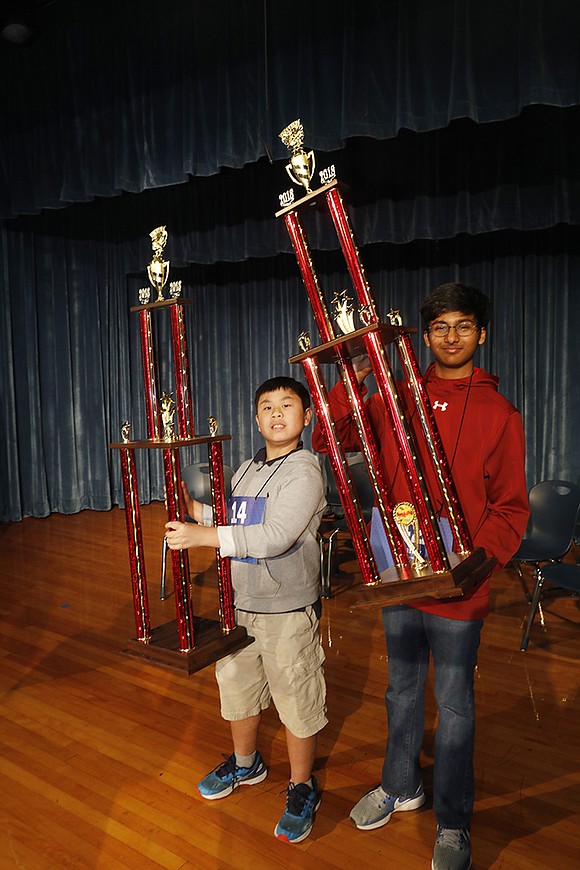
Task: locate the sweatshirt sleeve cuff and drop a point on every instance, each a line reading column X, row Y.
column 226, row 539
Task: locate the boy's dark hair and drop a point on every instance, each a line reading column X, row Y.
column 283, row 383
column 455, row 297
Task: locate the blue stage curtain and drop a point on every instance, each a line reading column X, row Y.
column 70, row 364
column 127, row 96
column 453, row 126
column 520, row 174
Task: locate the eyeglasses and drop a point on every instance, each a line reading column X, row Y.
column 462, row 329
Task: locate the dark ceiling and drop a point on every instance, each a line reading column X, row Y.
column 22, row 21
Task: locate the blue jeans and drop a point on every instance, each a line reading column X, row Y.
column 411, row 636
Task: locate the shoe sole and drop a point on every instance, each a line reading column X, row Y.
column 260, row 777
column 411, row 804
column 303, row 836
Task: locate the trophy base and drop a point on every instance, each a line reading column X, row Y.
column 466, row 573
column 211, row 644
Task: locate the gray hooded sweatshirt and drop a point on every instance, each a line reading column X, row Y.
column 287, row 572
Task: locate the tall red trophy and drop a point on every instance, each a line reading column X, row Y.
column 188, row 643
column 429, row 570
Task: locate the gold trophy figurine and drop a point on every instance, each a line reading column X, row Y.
column 343, row 312
column 126, row 432
column 158, row 268
column 301, row 166
column 167, row 415
column 366, row 315
column 407, row 522
column 213, row 426
column 394, row 317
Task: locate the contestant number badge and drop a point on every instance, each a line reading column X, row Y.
column 246, row 511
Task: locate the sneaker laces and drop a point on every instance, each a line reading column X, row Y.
column 378, row 796
column 456, row 838
column 228, row 767
column 296, row 797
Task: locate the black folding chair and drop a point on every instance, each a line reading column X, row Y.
column 335, row 514
column 554, row 508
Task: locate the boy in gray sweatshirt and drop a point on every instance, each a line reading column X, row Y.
column 274, row 513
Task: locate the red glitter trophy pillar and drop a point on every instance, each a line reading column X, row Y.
column 188, row 643
column 135, row 543
column 437, row 574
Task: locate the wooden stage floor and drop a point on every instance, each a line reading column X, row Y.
column 100, row 753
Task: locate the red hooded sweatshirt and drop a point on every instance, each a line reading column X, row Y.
column 483, row 437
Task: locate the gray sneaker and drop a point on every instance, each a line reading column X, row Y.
column 452, row 849
column 376, row 808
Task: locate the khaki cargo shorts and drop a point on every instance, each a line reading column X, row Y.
column 284, row 664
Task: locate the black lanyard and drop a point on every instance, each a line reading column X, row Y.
column 270, row 476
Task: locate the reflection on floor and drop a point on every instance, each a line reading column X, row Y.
column 100, row 753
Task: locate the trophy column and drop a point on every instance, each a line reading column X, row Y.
column 220, row 518
column 135, row 543
column 150, row 376
column 436, row 574
column 315, row 380
column 179, row 558
column 181, row 372
column 188, row 643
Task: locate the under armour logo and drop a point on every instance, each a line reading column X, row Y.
column 440, row 405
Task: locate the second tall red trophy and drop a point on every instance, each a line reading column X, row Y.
column 188, row 643
column 429, row 570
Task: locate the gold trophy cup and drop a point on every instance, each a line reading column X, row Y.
column 301, row 166
column 158, row 268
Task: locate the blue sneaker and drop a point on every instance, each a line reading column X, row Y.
column 227, row 776
column 298, row 817
column 452, row 849
column 377, row 806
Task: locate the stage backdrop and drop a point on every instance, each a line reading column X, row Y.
column 454, row 126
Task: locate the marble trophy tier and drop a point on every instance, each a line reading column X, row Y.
column 187, row 643
column 437, row 574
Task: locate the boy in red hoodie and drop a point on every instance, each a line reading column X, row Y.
column 483, row 438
